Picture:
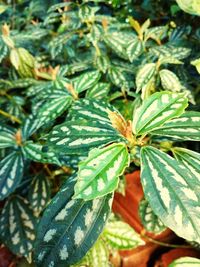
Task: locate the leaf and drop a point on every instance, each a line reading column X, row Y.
column 145, row 75
column 39, row 193
column 189, row 158
column 171, row 51
column 11, row 173
column 99, row 91
column 185, row 262
column 7, row 139
column 172, row 191
column 99, row 174
column 85, row 81
column 80, row 136
column 91, row 110
column 35, row 152
column 117, row 77
column 14, row 58
column 117, row 44
column 186, row 127
column 122, row 236
column 192, row 7
column 52, row 109
column 102, row 63
column 196, row 63
column 69, row 227
column 157, row 110
column 170, row 81
column 149, row 219
column 134, row 49
column 18, row 226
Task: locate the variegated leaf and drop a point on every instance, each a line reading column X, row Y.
column 18, row 226
column 80, row 136
column 7, row 139
column 99, row 91
column 99, row 174
column 52, row 109
column 186, row 127
column 189, row 158
column 91, row 110
column 85, row 81
column 158, row 109
column 192, row 7
column 170, row 81
column 149, row 219
column 102, row 63
column 175, row 192
column 145, row 75
column 122, row 236
column 134, row 49
column 117, row 44
column 35, row 152
column 69, row 228
column 117, row 77
column 185, row 262
column 171, row 51
column 11, row 173
column 39, row 193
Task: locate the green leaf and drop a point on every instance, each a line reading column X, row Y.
column 99, row 174
column 145, row 75
column 170, row 81
column 99, row 91
column 192, row 7
column 11, row 173
column 134, row 49
column 117, row 44
column 102, row 62
column 34, row 152
column 172, row 192
column 80, row 136
column 189, row 158
column 39, row 193
column 69, row 227
column 122, row 236
column 52, row 109
column 196, row 63
column 18, row 226
column 186, row 127
column 149, row 219
column 117, row 77
column 171, row 51
column 158, row 109
column 7, row 139
column 185, row 262
column 85, row 81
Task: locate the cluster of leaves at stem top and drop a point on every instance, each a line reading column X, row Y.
column 87, row 94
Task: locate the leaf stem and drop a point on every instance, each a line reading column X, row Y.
column 7, row 115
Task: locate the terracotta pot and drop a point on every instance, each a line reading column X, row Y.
column 6, row 257
column 127, row 207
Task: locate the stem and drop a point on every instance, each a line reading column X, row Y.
column 7, row 115
column 164, row 244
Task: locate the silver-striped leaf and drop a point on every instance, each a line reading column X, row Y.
column 69, row 227
column 11, row 173
column 190, row 159
column 185, row 262
column 99, row 174
column 120, row 235
column 7, row 139
column 18, row 226
column 34, row 151
column 134, row 49
column 171, row 51
column 52, row 109
column 39, row 193
column 149, row 219
column 157, row 110
column 170, row 81
column 186, row 127
column 172, row 191
column 99, row 91
column 117, row 77
column 85, row 81
column 79, row 136
column 144, row 76
column 102, row 62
